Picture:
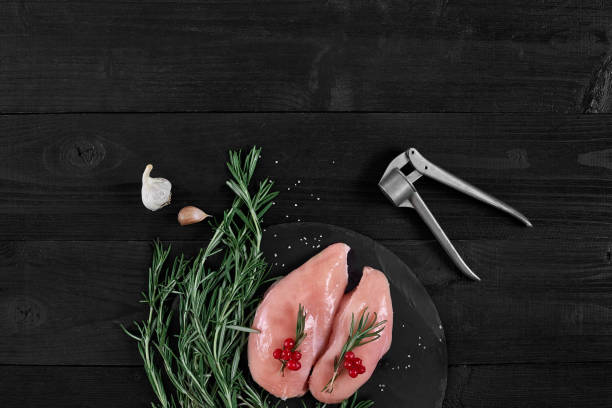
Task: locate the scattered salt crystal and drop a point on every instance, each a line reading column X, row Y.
column 295, row 205
column 283, row 265
column 275, row 255
column 299, row 181
column 288, row 188
column 299, row 220
column 275, row 161
column 318, row 199
column 288, row 246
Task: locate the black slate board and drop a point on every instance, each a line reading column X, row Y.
column 413, row 373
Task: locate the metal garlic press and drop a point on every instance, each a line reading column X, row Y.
column 399, row 188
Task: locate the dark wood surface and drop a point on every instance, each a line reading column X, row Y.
column 494, row 91
column 341, row 55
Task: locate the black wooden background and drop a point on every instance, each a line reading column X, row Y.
column 496, row 91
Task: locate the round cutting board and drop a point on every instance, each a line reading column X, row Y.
column 413, row 372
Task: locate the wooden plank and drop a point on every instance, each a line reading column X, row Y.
column 74, row 387
column 417, row 56
column 539, row 301
column 529, row 386
column 77, row 177
column 537, row 386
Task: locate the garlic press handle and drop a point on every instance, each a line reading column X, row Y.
column 427, row 168
column 421, row 208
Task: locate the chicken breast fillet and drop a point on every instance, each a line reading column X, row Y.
column 318, row 285
column 373, row 293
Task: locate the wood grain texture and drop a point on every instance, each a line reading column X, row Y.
column 388, row 55
column 539, row 301
column 598, row 95
column 528, row 386
column 74, row 387
column 77, row 177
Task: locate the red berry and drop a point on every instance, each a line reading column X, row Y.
column 361, row 369
column 278, row 353
column 349, row 355
column 289, row 343
column 348, row 364
column 286, row 355
column 353, row 372
column 293, row 365
column 296, row 355
column 356, row 361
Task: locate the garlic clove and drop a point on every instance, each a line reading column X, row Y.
column 191, row 215
column 156, row 192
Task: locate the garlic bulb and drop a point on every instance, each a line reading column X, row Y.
column 191, row 215
column 155, row 191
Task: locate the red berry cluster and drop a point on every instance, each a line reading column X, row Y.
column 353, row 364
column 289, row 357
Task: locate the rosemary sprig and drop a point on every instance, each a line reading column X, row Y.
column 366, row 331
column 300, row 335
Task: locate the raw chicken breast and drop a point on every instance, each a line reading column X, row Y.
column 373, row 293
column 318, row 285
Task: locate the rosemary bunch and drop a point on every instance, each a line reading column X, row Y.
column 215, row 305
